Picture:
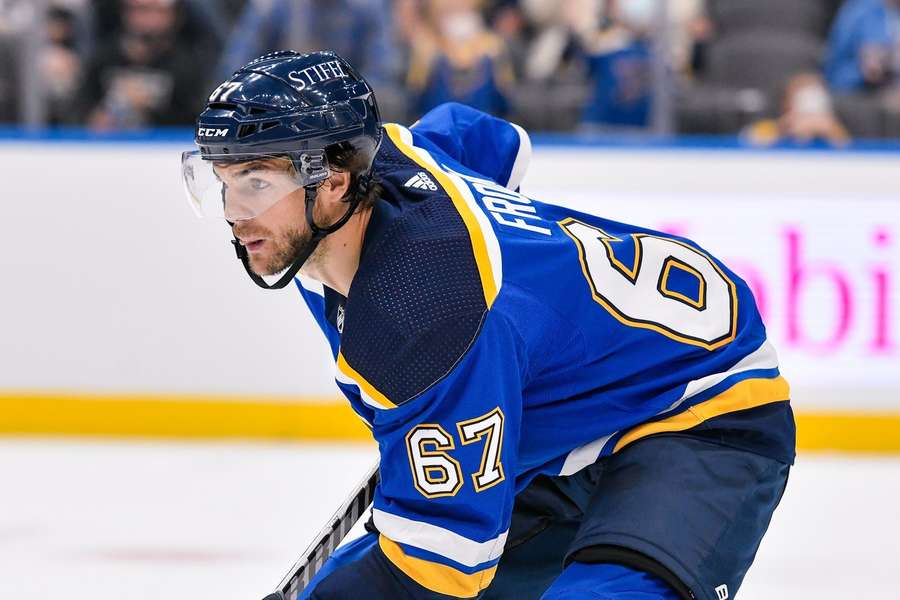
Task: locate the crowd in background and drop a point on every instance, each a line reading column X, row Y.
column 769, row 70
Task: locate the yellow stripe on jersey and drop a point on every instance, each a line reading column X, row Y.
column 434, row 576
column 745, row 394
column 479, row 244
column 365, row 387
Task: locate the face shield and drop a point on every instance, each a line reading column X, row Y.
column 238, row 187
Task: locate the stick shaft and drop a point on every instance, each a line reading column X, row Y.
column 328, row 539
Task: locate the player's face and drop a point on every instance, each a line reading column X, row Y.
column 275, row 236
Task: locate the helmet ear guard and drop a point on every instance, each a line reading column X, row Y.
column 312, row 166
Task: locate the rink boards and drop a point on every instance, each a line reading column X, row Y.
column 126, row 316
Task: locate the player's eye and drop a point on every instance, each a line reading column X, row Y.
column 258, row 184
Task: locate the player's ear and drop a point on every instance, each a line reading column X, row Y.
column 337, row 183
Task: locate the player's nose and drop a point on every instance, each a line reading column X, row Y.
column 237, row 210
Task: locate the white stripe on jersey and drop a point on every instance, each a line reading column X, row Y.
column 763, row 357
column 366, row 398
column 583, row 456
column 438, row 540
column 523, row 159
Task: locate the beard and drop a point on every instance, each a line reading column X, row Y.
column 285, row 249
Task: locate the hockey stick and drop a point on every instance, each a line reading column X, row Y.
column 327, row 541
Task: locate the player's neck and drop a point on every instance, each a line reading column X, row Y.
column 336, row 260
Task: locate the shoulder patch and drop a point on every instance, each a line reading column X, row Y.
column 416, row 304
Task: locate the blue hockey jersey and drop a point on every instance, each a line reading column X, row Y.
column 488, row 337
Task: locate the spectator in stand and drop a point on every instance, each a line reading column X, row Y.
column 550, row 62
column 864, row 46
column 808, row 117
column 562, row 28
column 212, row 20
column 455, row 57
column 61, row 64
column 146, row 74
column 620, row 59
column 14, row 18
column 508, row 21
column 690, row 30
column 358, row 30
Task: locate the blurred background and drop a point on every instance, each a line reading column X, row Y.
column 168, row 430
column 767, row 70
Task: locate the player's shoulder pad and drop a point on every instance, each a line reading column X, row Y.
column 416, row 304
column 466, row 134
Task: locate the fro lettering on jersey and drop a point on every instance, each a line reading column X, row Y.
column 508, row 208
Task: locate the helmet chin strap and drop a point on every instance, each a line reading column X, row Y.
column 318, row 234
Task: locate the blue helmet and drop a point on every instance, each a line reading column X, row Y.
column 292, row 105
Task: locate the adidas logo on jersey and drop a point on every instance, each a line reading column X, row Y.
column 421, row 181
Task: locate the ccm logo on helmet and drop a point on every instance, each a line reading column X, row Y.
column 212, row 132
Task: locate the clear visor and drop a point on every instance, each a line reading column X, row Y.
column 237, row 187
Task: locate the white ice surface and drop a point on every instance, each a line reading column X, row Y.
column 86, row 520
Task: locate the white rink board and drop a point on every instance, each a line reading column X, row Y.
column 113, row 285
column 119, row 287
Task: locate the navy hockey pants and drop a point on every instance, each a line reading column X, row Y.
column 690, row 511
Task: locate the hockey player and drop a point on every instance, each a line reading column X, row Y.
column 565, row 406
